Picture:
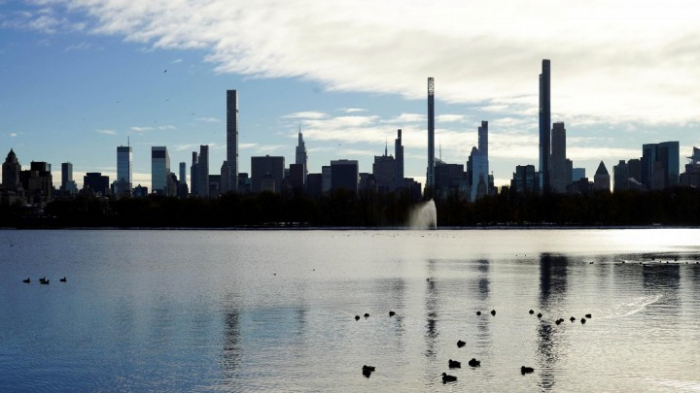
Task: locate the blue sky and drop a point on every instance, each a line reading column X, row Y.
column 79, row 77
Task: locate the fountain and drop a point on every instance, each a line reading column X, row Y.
column 424, row 216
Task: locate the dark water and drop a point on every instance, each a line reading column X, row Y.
column 274, row 310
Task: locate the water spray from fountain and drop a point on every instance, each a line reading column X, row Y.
column 424, row 216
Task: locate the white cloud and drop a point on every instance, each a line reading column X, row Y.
column 13, row 135
column 176, row 61
column 448, row 118
column 611, row 59
column 306, row 115
column 167, row 127
column 107, row 132
column 81, row 46
column 353, row 110
column 408, row 118
column 209, row 119
column 141, row 129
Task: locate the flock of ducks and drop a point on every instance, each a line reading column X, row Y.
column 43, row 280
column 452, row 364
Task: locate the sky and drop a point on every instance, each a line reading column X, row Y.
column 80, row 77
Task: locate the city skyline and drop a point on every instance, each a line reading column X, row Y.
column 110, row 80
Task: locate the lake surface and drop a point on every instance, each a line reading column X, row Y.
column 275, row 310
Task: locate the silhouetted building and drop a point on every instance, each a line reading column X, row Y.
column 477, row 174
column 225, row 186
column 601, row 180
column 367, row 184
column 214, row 187
column 450, row 179
column 267, row 165
column 160, row 169
column 398, row 156
column 243, row 183
column 557, row 164
column 68, row 185
column 345, row 174
column 296, row 177
column 183, row 173
column 139, row 191
column 430, row 177
column 580, row 186
column 634, row 169
column 621, row 176
column 413, row 188
column 301, row 157
column 314, row 185
column 691, row 176
column 96, row 182
column 326, row 179
column 194, row 174
column 203, row 172
column 384, row 171
column 578, row 173
column 11, row 169
column 232, row 138
column 524, row 179
column 545, row 124
column 665, row 173
column 37, row 182
column 124, row 172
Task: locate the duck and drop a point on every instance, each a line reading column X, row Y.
column 460, row 343
column 448, row 378
column 583, row 320
column 532, row 311
column 391, row 313
column 474, row 363
column 539, row 315
column 572, row 319
column 589, row 316
column 478, row 313
column 44, row 281
column 558, row 321
column 357, row 317
column 493, row 312
column 366, row 315
column 367, row 370
column 63, row 279
column 526, row 370
column 454, row 364
column 27, row 281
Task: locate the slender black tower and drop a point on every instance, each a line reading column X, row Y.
column 430, row 179
column 545, row 125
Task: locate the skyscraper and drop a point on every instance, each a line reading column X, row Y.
column 67, row 183
column 270, row 167
column 557, row 164
column 160, row 169
column 384, row 171
column 194, row 174
column 345, row 174
column 183, row 173
column 124, row 159
column 232, row 138
column 601, row 179
column 203, row 171
column 398, row 156
column 11, row 173
column 430, row 178
column 545, row 124
column 660, row 165
column 301, row 156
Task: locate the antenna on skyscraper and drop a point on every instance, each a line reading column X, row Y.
column 128, row 142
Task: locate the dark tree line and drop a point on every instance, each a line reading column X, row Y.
column 678, row 206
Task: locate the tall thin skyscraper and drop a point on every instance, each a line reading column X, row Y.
column 124, row 164
column 231, row 138
column 194, row 174
column 183, row 173
column 203, row 175
column 301, row 157
column 545, row 125
column 66, row 176
column 430, row 178
column 398, row 154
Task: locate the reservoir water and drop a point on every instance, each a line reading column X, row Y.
column 275, row 310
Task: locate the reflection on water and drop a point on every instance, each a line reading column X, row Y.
column 202, row 310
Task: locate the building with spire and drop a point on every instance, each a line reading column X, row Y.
column 301, row 156
column 384, row 171
column 11, row 174
column 398, row 156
